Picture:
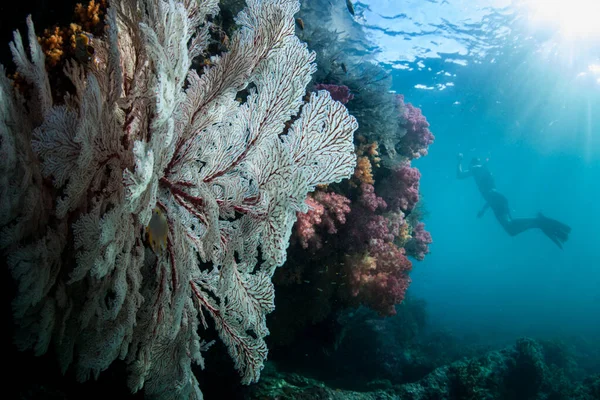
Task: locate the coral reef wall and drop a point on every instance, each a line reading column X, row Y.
column 354, row 246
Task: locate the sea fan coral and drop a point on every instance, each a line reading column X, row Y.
column 141, row 132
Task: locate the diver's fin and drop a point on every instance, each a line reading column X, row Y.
column 556, row 225
column 553, row 237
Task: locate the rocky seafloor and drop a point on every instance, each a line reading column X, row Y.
column 527, row 370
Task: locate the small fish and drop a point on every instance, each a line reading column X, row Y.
column 350, row 7
column 300, row 23
column 344, row 68
column 83, row 47
column 306, row 281
column 319, row 289
column 206, row 62
column 157, row 231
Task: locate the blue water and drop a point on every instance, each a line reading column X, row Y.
column 528, row 101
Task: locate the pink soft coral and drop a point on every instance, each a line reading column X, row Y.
column 380, row 278
column 327, row 211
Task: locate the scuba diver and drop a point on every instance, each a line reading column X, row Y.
column 554, row 230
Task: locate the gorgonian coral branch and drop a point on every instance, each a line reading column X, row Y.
column 142, row 132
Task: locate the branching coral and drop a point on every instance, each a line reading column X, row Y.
column 142, row 133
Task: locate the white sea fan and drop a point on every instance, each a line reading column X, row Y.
column 143, row 132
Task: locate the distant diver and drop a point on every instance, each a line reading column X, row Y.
column 554, row 230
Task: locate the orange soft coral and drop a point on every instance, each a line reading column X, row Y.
column 91, row 15
column 370, row 150
column 58, row 43
column 363, row 171
column 368, row 156
column 52, row 43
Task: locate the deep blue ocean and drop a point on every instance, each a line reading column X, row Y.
column 526, row 99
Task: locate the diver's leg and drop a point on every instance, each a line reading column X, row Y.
column 499, row 204
column 554, row 230
column 515, row 226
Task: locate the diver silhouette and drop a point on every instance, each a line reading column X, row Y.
column 553, row 229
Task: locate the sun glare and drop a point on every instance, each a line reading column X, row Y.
column 576, row 18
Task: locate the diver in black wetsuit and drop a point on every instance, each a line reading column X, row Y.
column 555, row 230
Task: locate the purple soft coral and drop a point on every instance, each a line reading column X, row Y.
column 401, row 189
column 369, row 199
column 339, row 93
column 418, row 245
column 418, row 137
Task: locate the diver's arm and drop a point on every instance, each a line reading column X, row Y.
column 483, row 210
column 460, row 174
